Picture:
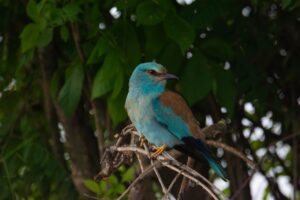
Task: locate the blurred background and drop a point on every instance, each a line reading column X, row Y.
column 64, row 75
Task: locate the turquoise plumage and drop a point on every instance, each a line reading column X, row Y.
column 163, row 116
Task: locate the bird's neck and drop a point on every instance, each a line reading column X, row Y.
column 147, row 89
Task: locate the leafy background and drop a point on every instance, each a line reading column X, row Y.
column 63, row 80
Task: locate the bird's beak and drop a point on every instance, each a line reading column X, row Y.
column 168, row 76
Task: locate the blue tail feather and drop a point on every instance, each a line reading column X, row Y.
column 197, row 149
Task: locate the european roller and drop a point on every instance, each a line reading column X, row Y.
column 163, row 117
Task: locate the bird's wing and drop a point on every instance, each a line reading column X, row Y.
column 172, row 111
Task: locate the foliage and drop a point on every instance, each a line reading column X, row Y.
column 65, row 66
column 113, row 186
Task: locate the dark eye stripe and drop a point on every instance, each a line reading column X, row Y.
column 152, row 72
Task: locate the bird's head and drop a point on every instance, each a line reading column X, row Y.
column 150, row 77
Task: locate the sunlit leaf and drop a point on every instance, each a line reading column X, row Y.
column 92, row 186
column 128, row 175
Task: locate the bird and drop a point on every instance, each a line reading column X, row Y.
column 163, row 117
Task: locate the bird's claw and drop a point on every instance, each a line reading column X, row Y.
column 158, row 151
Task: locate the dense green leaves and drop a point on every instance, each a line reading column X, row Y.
column 32, row 10
column 217, row 48
column 197, row 79
column 101, row 47
column 70, row 94
column 225, row 88
column 107, row 75
column 150, row 13
column 29, row 36
column 92, row 186
column 180, row 31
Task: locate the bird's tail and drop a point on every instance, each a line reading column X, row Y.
column 197, row 149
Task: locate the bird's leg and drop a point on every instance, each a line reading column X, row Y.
column 158, row 150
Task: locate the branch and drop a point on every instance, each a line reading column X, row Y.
column 125, row 149
column 140, row 177
column 215, row 129
column 175, row 166
column 232, row 150
column 185, row 181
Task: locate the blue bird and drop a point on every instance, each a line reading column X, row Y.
column 163, row 117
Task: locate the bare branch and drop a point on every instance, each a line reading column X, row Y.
column 232, row 150
column 122, row 152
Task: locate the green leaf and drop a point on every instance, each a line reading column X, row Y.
column 197, row 79
column 180, row 31
column 71, row 11
column 171, row 57
column 69, row 95
column 217, row 48
column 32, row 10
column 225, row 88
column 45, row 37
column 92, row 186
column 128, row 175
column 257, row 144
column 29, row 37
column 119, row 82
column 150, row 13
column 116, row 108
column 105, row 77
column 64, row 33
column 131, row 46
column 101, row 47
column 155, row 41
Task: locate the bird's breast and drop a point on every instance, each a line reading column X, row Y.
column 138, row 107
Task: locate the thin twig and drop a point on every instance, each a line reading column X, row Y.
column 185, row 181
column 155, row 170
column 231, row 150
column 209, row 191
column 194, row 173
column 140, row 161
column 91, row 197
column 140, row 177
column 174, row 181
column 188, row 172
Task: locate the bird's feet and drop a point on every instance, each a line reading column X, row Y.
column 158, row 151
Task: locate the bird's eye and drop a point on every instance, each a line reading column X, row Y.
column 152, row 72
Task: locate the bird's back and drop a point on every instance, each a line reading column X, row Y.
column 180, row 108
